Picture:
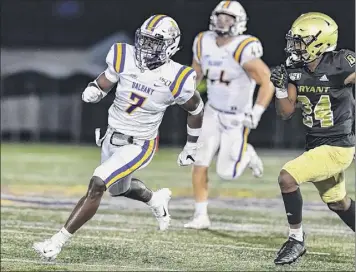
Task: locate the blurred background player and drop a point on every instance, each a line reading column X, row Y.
column 321, row 80
column 142, row 96
column 231, row 64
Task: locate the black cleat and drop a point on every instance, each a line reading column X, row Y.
column 291, row 251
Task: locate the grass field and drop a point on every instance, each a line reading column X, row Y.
column 41, row 183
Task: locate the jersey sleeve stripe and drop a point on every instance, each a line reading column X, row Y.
column 181, row 77
column 227, row 4
column 119, row 57
column 146, row 153
column 240, row 48
column 199, row 45
column 154, row 21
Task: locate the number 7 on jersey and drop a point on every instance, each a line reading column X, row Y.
column 137, row 101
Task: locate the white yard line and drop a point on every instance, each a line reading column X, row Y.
column 166, row 242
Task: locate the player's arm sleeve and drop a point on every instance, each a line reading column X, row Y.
column 197, row 47
column 348, row 66
column 115, row 60
column 247, row 50
column 184, row 85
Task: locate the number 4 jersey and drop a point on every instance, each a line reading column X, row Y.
column 327, row 103
column 230, row 88
column 143, row 96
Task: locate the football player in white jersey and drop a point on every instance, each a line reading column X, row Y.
column 231, row 64
column 148, row 81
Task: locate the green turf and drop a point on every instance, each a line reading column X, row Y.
column 126, row 239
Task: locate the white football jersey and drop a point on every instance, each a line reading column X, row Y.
column 229, row 87
column 143, row 96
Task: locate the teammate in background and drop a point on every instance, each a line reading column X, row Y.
column 148, row 81
column 321, row 80
column 231, row 64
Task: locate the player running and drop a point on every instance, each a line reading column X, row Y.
column 231, row 64
column 148, row 81
column 321, row 80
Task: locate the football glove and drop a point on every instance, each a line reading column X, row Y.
column 252, row 119
column 279, row 77
column 92, row 94
column 187, row 156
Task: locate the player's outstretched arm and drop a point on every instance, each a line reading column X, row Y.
column 100, row 87
column 286, row 93
column 194, row 106
column 259, row 71
column 97, row 89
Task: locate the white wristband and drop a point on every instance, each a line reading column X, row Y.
column 281, row 93
column 258, row 110
column 96, row 85
column 193, row 131
column 198, row 109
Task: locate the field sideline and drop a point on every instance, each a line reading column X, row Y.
column 41, row 183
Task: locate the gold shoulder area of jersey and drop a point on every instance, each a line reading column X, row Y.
column 200, row 34
column 179, row 80
column 242, row 43
column 119, row 56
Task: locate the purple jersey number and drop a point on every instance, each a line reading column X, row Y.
column 137, row 102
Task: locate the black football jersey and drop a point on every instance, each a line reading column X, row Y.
column 327, row 103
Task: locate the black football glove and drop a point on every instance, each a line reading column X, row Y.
column 279, row 77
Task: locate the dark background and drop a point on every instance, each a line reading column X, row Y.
column 52, row 24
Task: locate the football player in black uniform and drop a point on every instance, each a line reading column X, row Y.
column 320, row 79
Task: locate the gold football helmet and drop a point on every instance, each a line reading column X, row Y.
column 311, row 35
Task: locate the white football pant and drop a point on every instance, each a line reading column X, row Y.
column 223, row 132
column 118, row 162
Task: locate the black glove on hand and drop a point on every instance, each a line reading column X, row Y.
column 279, row 77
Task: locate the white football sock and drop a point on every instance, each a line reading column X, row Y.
column 201, row 208
column 62, row 236
column 297, row 234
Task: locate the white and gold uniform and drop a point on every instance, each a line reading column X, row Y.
column 142, row 96
column 230, row 95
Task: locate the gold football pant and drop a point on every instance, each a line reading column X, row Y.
column 324, row 166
